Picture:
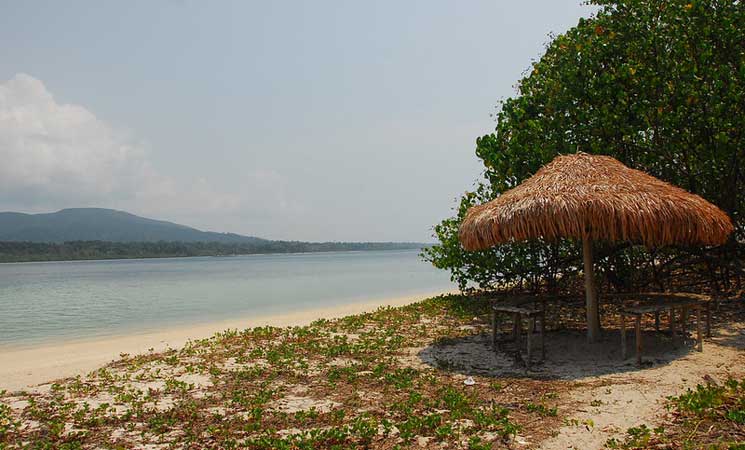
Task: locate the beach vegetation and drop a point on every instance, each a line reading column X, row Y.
column 343, row 383
column 541, row 409
column 8, row 423
column 711, row 415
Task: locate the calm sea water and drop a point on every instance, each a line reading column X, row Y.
column 56, row 301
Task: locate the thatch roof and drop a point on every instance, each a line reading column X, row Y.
column 596, row 194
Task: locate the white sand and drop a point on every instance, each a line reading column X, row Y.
column 611, row 395
column 21, row 368
column 625, row 400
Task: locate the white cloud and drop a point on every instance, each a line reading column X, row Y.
column 51, row 151
column 56, row 155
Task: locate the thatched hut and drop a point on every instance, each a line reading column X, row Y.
column 594, row 197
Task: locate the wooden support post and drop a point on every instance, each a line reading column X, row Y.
column 531, row 329
column 684, row 322
column 708, row 319
column 699, row 334
column 657, row 320
column 638, row 326
column 623, row 336
column 494, row 330
column 593, row 319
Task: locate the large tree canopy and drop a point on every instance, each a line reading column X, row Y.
column 659, row 85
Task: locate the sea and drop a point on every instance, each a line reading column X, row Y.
column 53, row 302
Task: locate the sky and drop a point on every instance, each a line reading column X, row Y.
column 321, row 121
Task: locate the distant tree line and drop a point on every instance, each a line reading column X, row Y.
column 84, row 250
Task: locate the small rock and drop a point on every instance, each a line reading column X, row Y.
column 422, row 441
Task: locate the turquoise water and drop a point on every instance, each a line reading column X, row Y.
column 57, row 301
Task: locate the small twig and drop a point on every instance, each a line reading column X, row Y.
column 695, row 429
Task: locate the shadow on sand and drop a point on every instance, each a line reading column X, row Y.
column 568, row 355
column 730, row 335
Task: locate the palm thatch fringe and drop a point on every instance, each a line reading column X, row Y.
column 596, row 197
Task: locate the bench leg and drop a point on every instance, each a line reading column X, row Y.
column 535, row 318
column 543, row 336
column 623, row 337
column 531, row 329
column 672, row 327
column 699, row 336
column 638, row 326
column 544, row 313
column 516, row 327
column 517, row 331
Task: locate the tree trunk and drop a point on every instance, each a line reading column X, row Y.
column 593, row 318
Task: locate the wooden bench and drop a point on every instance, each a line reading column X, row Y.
column 655, row 303
column 519, row 308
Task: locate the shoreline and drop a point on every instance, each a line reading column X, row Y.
column 21, row 368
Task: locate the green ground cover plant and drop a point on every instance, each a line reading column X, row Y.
column 710, row 416
column 348, row 383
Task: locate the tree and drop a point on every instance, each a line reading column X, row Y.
column 659, row 85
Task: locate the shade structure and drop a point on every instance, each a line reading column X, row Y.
column 594, row 197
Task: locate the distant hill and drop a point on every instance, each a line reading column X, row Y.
column 99, row 224
column 97, row 233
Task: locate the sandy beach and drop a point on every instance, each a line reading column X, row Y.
column 435, row 355
column 24, row 367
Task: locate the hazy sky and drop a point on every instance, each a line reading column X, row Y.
column 323, row 120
